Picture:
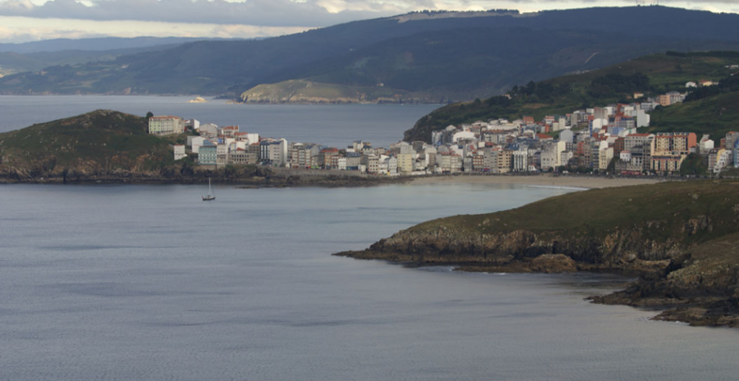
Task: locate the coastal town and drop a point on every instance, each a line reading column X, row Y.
column 594, row 140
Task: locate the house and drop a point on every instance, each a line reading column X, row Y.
column 664, row 100
column 196, row 142
column 371, row 163
column 228, row 131
column 209, row 130
column 544, row 137
column 718, row 159
column 179, row 152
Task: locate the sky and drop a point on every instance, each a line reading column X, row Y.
column 31, row 20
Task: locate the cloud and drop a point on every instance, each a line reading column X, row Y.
column 24, row 29
column 290, row 13
column 248, row 12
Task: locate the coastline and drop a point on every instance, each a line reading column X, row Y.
column 542, row 180
column 680, row 239
column 310, row 178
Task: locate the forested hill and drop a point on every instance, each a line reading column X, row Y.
column 404, row 54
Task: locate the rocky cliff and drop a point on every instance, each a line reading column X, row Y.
column 669, row 233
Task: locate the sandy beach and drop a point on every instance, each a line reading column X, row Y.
column 540, row 180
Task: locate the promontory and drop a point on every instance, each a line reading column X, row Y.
column 680, row 238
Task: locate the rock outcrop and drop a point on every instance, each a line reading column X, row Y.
column 682, row 239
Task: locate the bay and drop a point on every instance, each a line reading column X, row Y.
column 332, row 125
column 148, row 282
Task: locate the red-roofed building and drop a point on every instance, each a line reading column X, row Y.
column 229, row 131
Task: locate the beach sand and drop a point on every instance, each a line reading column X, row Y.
column 537, row 180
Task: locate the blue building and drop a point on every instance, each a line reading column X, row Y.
column 208, row 153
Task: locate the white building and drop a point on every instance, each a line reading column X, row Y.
column 209, row 130
column 566, row 136
column 166, row 125
column 392, row 166
column 520, row 161
column 551, row 154
column 706, row 145
column 193, row 124
column 196, row 143
column 179, row 151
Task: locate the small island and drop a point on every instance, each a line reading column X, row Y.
column 197, row 100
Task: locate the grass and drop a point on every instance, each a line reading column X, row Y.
column 714, row 116
column 306, row 91
column 101, row 139
column 568, row 93
column 597, row 213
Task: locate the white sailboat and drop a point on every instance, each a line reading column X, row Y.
column 211, row 193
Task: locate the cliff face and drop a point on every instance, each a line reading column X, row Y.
column 624, row 250
column 682, row 238
column 303, row 91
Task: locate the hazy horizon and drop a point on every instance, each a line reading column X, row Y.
column 35, row 20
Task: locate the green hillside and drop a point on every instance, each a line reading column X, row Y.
column 711, row 110
column 98, row 141
column 680, row 235
column 652, row 75
column 448, row 54
column 303, row 91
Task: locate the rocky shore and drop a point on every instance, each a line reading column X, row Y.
column 681, row 239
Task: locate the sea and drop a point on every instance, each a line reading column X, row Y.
column 135, row 282
column 330, row 125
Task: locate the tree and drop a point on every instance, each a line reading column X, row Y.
column 149, row 114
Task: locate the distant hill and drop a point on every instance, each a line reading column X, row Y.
column 405, row 52
column 12, row 62
column 92, row 44
column 652, row 75
column 463, row 64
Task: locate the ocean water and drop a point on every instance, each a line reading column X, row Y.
column 332, row 125
column 150, row 283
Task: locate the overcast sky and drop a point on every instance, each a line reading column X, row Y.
column 28, row 20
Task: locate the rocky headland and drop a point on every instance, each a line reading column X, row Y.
column 681, row 239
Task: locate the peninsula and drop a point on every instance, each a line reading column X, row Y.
column 679, row 237
column 106, row 146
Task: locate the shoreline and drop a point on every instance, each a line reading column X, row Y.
column 543, row 180
column 350, row 180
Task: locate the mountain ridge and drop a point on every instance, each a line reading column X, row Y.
column 235, row 66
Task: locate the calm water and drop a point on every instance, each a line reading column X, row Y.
column 149, row 283
column 333, row 125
